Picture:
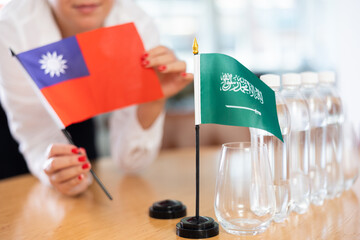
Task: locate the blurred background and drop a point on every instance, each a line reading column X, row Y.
column 267, row 36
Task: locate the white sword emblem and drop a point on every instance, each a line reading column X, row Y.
column 246, row 108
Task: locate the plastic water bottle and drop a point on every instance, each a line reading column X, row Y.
column 335, row 178
column 299, row 142
column 350, row 163
column 277, row 150
column 318, row 117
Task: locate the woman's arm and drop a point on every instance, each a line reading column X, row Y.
column 136, row 132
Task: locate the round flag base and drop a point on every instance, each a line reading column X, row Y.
column 167, row 209
column 196, row 228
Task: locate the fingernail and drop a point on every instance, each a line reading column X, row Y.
column 146, row 62
column 82, row 159
column 145, row 55
column 82, row 150
column 75, row 150
column 183, row 74
column 85, row 166
column 81, row 176
column 162, row 68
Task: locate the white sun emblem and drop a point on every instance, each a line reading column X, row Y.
column 53, row 64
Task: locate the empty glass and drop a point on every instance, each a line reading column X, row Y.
column 244, row 195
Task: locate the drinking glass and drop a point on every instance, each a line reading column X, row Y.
column 244, row 195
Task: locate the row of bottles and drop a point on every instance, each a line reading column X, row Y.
column 306, row 167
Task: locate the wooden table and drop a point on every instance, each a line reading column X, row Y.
column 29, row 210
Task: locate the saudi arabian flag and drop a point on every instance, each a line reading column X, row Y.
column 228, row 93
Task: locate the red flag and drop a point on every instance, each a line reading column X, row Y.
column 92, row 73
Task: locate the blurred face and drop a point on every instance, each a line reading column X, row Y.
column 76, row 16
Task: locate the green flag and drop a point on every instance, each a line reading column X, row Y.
column 228, row 93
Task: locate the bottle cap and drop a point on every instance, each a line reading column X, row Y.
column 167, row 209
column 272, row 80
column 309, row 78
column 327, row 77
column 291, row 79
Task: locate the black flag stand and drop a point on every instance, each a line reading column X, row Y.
column 197, row 227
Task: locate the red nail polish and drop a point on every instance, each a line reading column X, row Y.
column 75, row 150
column 145, row 55
column 82, row 159
column 162, row 68
column 146, row 62
column 85, row 166
column 80, row 177
column 183, row 74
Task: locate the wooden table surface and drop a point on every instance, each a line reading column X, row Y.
column 29, row 210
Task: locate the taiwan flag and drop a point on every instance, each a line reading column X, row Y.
column 228, row 93
column 92, row 73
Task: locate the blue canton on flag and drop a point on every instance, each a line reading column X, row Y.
column 55, row 63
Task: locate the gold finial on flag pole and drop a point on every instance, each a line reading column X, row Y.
column 195, row 47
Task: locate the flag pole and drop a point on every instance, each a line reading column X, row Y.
column 197, row 226
column 69, row 138
column 197, row 142
column 64, row 131
column 197, row 130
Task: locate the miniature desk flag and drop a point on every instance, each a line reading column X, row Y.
column 92, row 73
column 228, row 93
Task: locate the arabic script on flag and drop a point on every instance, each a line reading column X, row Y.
column 237, row 83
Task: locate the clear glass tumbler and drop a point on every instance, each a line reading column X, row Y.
column 244, row 195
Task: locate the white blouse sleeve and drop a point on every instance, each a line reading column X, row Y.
column 29, row 122
column 132, row 147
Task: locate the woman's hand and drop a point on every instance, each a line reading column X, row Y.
column 171, row 71
column 68, row 169
column 173, row 78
